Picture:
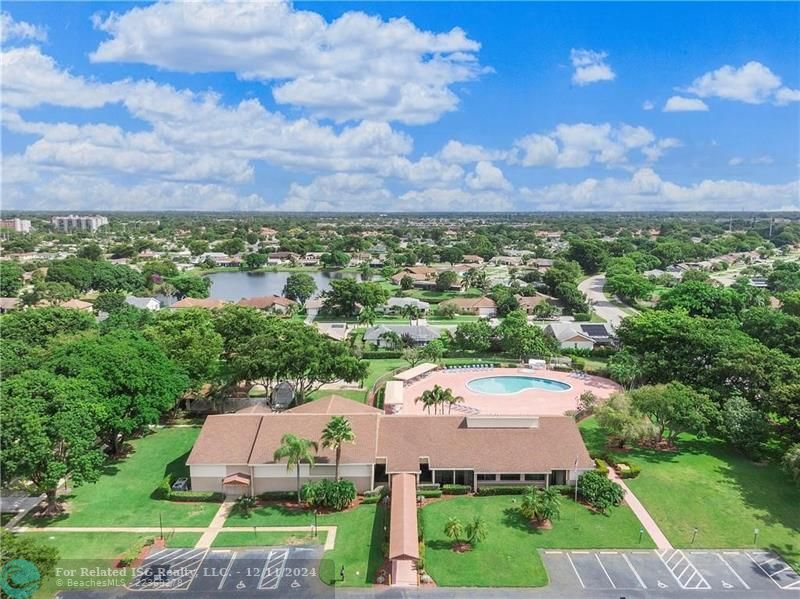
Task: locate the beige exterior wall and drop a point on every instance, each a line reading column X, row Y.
column 205, row 483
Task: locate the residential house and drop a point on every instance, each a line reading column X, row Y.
column 192, row 302
column 472, row 259
column 313, row 306
column 580, row 335
column 396, row 304
column 282, row 258
column 234, row 452
column 269, row 303
column 143, row 303
column 417, row 274
column 506, row 260
column 416, row 334
column 542, row 264
column 479, row 306
column 529, row 303
column 311, row 258
column 76, row 304
column 7, row 304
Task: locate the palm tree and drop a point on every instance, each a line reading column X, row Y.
column 477, row 530
column 451, row 399
column 411, row 312
column 296, row 450
column 453, row 528
column 336, row 432
column 367, row 316
column 391, row 339
column 426, row 399
column 541, row 504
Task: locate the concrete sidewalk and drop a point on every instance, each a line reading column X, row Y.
column 659, row 538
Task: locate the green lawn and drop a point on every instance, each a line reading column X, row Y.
column 359, row 395
column 508, row 557
column 359, row 538
column 122, row 495
column 723, row 494
column 248, row 538
column 94, row 549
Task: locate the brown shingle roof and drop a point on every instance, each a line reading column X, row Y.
column 466, row 303
column 225, row 439
column 403, row 536
column 265, row 302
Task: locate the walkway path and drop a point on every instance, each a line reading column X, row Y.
column 611, row 311
column 216, row 524
column 659, row 538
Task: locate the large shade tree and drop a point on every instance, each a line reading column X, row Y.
column 49, row 432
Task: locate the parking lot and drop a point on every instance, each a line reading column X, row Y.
column 275, row 571
column 672, row 570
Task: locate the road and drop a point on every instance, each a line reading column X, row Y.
column 602, row 304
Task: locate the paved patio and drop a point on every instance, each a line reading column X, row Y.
column 530, row 402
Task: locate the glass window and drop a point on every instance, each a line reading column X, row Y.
column 509, row 477
column 536, row 477
column 487, row 477
column 444, row 477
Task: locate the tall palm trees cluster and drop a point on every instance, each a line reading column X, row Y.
column 297, row 450
column 437, row 398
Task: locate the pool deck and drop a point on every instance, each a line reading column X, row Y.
column 529, row 402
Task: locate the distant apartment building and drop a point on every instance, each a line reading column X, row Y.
column 18, row 225
column 65, row 224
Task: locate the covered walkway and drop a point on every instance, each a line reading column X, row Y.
column 403, row 533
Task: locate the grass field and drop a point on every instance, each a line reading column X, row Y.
column 248, row 538
column 359, row 537
column 721, row 493
column 359, row 395
column 508, row 557
column 122, row 495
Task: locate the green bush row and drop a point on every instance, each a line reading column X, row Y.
column 325, row 493
column 278, row 496
column 601, row 466
column 429, row 494
column 501, row 490
column 381, row 355
column 456, row 489
column 428, row 487
column 632, row 472
column 198, row 496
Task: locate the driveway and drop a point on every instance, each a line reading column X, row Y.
column 602, row 304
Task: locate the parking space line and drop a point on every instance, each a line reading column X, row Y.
column 227, row 571
column 792, row 585
column 275, row 574
column 605, row 571
column 771, row 576
column 734, row 572
column 576, row 571
column 635, row 573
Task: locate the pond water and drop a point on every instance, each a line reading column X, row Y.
column 236, row 285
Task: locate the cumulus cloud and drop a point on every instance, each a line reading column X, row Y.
column 453, row 199
column 648, row 105
column 11, row 29
column 681, row 104
column 581, row 144
column 355, row 67
column 736, row 161
column 487, row 176
column 753, row 83
column 590, row 67
column 645, row 190
column 338, row 193
column 461, row 153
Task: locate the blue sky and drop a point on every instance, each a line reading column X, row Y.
column 401, row 106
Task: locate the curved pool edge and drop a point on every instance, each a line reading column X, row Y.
column 565, row 386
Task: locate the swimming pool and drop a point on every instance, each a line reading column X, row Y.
column 506, row 385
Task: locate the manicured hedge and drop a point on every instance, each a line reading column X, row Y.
column 503, row 490
column 456, row 489
column 198, row 496
column 429, row 494
column 632, row 472
column 429, row 487
column 601, row 466
column 278, row 496
column 164, row 488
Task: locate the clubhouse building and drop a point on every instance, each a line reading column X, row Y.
column 234, row 452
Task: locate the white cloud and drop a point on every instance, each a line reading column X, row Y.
column 764, row 160
column 590, row 67
column 442, row 200
column 338, row 193
column 648, row 105
column 461, row 153
column 681, row 104
column 579, row 145
column 487, row 176
column 753, row 83
column 356, row 67
column 11, row 29
column 645, row 190
column 736, row 161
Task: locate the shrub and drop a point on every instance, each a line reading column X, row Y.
column 371, row 499
column 599, row 491
column 164, row 488
column 429, row 487
column 456, row 489
column 278, row 496
column 244, row 505
column 578, row 363
column 380, row 491
column 601, row 466
column 582, row 316
column 131, row 554
column 501, row 490
column 429, row 494
column 380, row 355
column 335, row 495
column 630, row 470
column 197, row 496
column 564, row 489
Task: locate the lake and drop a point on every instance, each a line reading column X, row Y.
column 236, row 285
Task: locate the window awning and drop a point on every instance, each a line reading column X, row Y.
column 238, row 478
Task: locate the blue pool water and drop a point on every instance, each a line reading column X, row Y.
column 505, row 385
